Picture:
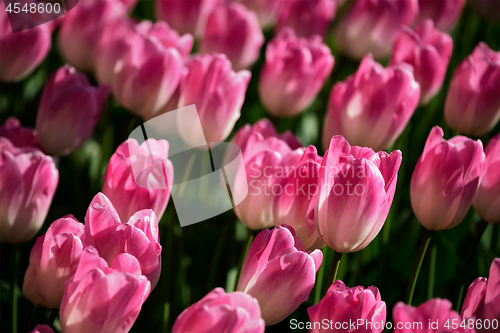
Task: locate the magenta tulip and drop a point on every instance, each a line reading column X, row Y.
column 234, row 31
column 120, row 184
column 28, row 180
column 473, row 104
column 342, row 304
column 444, row 13
column 53, row 259
column 428, row 51
column 18, row 135
column 22, row 51
column 294, row 72
column 279, row 273
column 216, row 91
column 445, row 180
column 307, row 18
column 487, row 199
column 99, row 298
column 68, row 112
column 267, row 10
column 372, row 107
column 138, row 237
column 370, row 25
column 220, row 312
column 42, row 329
column 356, row 190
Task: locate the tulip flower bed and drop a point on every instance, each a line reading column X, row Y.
column 368, row 194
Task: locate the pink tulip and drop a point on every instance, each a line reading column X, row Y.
column 473, row 104
column 22, row 51
column 82, row 27
column 295, row 206
column 435, row 315
column 370, row 26
column 235, row 31
column 307, row 17
column 372, row 107
column 28, row 180
column 68, row 112
column 445, row 180
column 18, row 135
column 53, row 260
column 294, row 72
column 186, row 16
column 267, row 10
column 428, row 51
column 483, row 298
column 120, row 185
column 138, row 237
column 221, row 312
column 216, row 91
column 99, row 298
column 356, row 190
column 42, row 329
column 444, row 13
column 342, row 304
column 279, row 273
column 487, row 199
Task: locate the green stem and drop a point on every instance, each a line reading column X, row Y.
column 167, row 244
column 416, row 267
column 52, row 317
column 244, row 250
column 319, row 279
column 14, row 289
column 432, row 272
column 335, row 268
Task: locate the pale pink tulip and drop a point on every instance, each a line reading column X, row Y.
column 267, row 10
column 444, row 13
column 19, row 135
column 307, row 17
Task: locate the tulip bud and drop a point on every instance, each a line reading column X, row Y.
column 294, row 72
column 234, row 31
column 82, row 27
column 220, row 312
column 370, row 25
column 444, row 13
column 217, row 92
column 28, row 180
column 68, row 112
column 53, row 260
column 343, row 304
column 22, row 51
column 138, row 237
column 18, row 135
column 99, row 298
column 279, row 273
column 473, row 104
column 357, row 186
column 267, row 10
column 487, row 199
column 307, row 17
column 372, row 107
column 120, row 185
column 428, row 51
column 445, row 180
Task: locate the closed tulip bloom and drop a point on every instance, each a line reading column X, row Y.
column 22, row 51
column 186, row 16
column 473, row 104
column 370, row 25
column 53, row 259
column 295, row 205
column 19, row 135
column 428, row 51
column 357, row 186
column 445, row 180
column 294, row 72
column 234, row 31
column 68, row 112
column 444, row 13
column 28, row 180
column 307, row 17
column 487, row 199
column 372, row 107
column 344, row 304
column 82, row 27
column 99, row 298
column 120, row 184
column 279, row 273
column 217, row 92
column 138, row 237
column 267, row 10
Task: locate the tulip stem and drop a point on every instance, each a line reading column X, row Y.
column 319, row 279
column 416, row 267
column 432, row 272
column 335, row 269
column 14, row 289
column 244, row 250
column 52, row 317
